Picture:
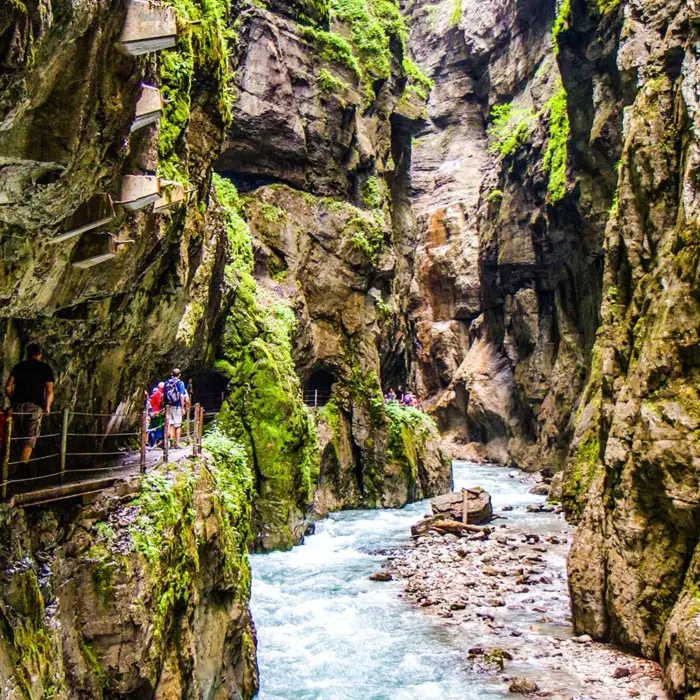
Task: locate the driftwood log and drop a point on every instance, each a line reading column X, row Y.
column 443, row 524
column 478, row 503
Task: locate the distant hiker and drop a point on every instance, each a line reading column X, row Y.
column 408, row 399
column 399, row 394
column 156, row 406
column 176, row 399
column 391, row 395
column 30, row 389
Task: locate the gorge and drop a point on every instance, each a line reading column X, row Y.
column 493, row 203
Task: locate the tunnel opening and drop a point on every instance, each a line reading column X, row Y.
column 318, row 388
column 208, row 388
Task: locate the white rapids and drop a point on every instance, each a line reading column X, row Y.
column 326, row 632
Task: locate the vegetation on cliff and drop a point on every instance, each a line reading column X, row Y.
column 264, row 410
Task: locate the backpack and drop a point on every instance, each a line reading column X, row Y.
column 172, row 392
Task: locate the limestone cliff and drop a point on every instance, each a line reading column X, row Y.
column 507, row 283
column 297, row 259
column 281, row 251
column 144, row 593
column 555, row 298
column 632, row 472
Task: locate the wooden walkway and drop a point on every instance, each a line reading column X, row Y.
column 88, row 489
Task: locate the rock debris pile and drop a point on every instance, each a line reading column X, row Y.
column 502, row 589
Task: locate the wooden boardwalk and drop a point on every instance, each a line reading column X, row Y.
column 88, row 489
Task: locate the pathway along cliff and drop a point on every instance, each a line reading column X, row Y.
column 325, row 630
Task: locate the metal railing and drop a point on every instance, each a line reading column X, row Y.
column 73, row 443
column 316, row 398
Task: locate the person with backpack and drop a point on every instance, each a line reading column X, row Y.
column 176, row 399
column 157, row 415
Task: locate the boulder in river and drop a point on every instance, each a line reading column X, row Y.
column 478, row 502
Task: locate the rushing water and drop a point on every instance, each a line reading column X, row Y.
column 326, row 632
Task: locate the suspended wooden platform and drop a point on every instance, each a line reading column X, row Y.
column 138, row 191
column 149, row 107
column 148, row 27
column 171, row 197
column 96, row 251
column 94, row 213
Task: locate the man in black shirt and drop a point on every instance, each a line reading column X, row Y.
column 30, row 388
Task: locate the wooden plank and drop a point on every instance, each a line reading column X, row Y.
column 77, row 488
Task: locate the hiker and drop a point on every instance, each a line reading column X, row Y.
column 399, row 394
column 176, row 399
column 157, row 413
column 391, row 396
column 408, row 399
column 30, row 389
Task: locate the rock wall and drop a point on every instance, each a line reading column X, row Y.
column 289, row 129
column 143, row 593
column 507, row 286
column 555, row 299
column 632, row 471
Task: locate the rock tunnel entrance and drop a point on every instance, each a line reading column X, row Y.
column 318, row 388
column 209, row 388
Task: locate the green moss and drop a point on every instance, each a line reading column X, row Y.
column 557, row 152
column 607, row 6
column 384, row 311
column 264, row 412
column 418, row 81
column 561, row 22
column 494, row 196
column 366, row 50
column 409, row 429
column 333, row 48
column 36, row 658
column 456, row 15
column 328, row 83
column 204, row 40
column 233, row 498
column 371, row 193
column 581, row 472
column 368, row 235
column 509, row 130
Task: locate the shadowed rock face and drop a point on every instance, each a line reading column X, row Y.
column 560, row 329
column 506, row 289
column 632, row 473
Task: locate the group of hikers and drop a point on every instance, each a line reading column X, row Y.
column 173, row 397
column 30, row 392
column 405, row 398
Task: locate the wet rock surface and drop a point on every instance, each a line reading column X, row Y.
column 504, row 594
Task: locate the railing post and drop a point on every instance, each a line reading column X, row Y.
column 315, row 398
column 195, row 431
column 144, row 435
column 166, row 435
column 64, row 443
column 200, row 431
column 6, row 451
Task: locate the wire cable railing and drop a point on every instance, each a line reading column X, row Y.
column 69, row 443
column 316, row 398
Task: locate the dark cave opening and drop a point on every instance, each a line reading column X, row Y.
column 318, row 388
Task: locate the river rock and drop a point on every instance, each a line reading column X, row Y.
column 523, row 686
column 380, row 576
column 479, row 509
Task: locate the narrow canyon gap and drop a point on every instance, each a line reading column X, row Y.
column 493, row 204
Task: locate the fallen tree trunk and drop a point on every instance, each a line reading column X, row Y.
column 476, row 500
column 442, row 524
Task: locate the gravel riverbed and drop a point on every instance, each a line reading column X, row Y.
column 504, row 596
